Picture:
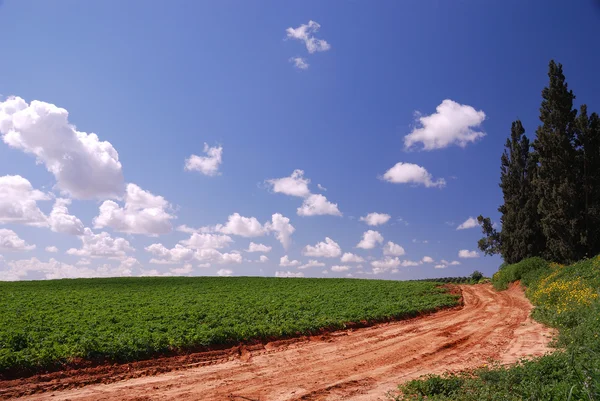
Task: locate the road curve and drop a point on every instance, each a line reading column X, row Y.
column 361, row 364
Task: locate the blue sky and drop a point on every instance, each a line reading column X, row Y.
column 155, row 81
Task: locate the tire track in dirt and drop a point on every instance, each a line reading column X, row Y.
column 361, row 364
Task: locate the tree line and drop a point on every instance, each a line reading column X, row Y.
column 551, row 186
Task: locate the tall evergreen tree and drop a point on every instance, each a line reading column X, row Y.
column 521, row 236
column 556, row 179
column 587, row 143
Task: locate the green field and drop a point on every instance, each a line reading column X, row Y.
column 46, row 324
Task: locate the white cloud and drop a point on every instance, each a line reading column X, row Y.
column 18, row 201
column 51, row 249
column 190, row 230
column 282, row 228
column 408, row 173
column 300, row 63
column 10, row 241
column 451, row 124
column 327, row 249
column 351, row 258
column 305, row 33
column 312, row 263
column 214, row 256
column 207, row 165
column 177, row 255
column 253, row 247
column 321, row 187
column 376, row 219
column 338, row 268
column 242, row 226
column 182, row 271
column 53, row 269
column 427, row 259
column 393, row 249
column 84, row 167
column 294, row 185
column 144, row 213
column 454, row 263
column 286, row 262
column 263, row 259
column 317, row 205
column 464, row 253
column 440, row 266
column 207, row 241
column 289, row 274
column 61, row 221
column 407, row 263
column 101, row 245
column 386, row 263
column 370, row 239
column 469, row 223
column 224, row 273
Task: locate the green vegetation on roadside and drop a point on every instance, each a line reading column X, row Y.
column 46, row 324
column 566, row 297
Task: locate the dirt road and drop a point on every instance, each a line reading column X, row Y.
column 361, row 364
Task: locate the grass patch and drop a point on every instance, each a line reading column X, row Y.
column 49, row 324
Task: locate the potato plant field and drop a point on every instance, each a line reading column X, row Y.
column 50, row 324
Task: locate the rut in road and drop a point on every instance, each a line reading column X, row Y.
column 362, row 364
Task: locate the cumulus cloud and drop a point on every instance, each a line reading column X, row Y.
column 454, row 263
column 207, row 241
column 207, row 165
column 263, row 259
column 300, row 63
column 370, row 239
column 242, row 226
column 84, row 166
column 288, row 274
column 18, row 201
column 469, row 223
column 253, row 247
column 338, row 268
column 214, row 256
column 190, row 230
column 282, row 228
column 312, row 263
column 143, row 213
column 61, row 221
column 317, row 205
column 408, row 173
column 101, row 246
column 294, row 185
column 321, row 187
column 224, row 273
column 451, row 124
column 375, row 219
column 393, row 249
column 10, row 241
column 385, row 263
column 327, row 249
column 440, row 266
column 185, row 270
column 305, row 33
column 163, row 255
column 466, row 254
column 297, row 185
column 286, row 262
column 407, row 263
column 51, row 249
column 427, row 259
column 351, row 258
column 53, row 269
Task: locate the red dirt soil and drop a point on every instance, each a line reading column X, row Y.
column 357, row 364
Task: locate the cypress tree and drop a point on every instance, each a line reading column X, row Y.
column 556, row 178
column 521, row 236
column 587, row 143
